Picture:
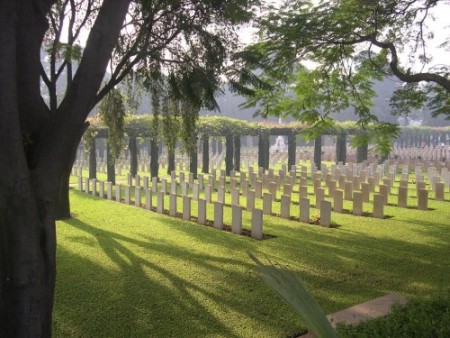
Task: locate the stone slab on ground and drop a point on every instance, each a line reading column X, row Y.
column 372, row 309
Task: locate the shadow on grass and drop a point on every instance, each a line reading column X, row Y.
column 137, row 290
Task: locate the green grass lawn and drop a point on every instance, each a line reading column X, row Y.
column 128, row 272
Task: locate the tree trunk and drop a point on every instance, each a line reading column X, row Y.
column 32, row 171
column 154, row 156
column 92, row 160
column 132, row 145
column 205, row 159
column 63, row 206
column 237, row 153
column 318, row 152
column 292, row 148
column 228, row 154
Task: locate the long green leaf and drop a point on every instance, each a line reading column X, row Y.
column 292, row 289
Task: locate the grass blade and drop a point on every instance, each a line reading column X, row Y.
column 292, row 289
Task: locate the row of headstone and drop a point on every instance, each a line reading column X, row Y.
column 97, row 188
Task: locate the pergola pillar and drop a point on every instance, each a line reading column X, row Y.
column 237, row 153
column 205, row 157
column 110, row 165
column 154, row 157
column 318, row 152
column 263, row 149
column 292, row 148
column 361, row 152
column 132, row 146
column 341, row 148
column 193, row 156
column 229, row 150
column 92, row 159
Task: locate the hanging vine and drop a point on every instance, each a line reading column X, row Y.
column 112, row 112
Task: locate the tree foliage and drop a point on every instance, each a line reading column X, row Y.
column 322, row 57
column 112, row 112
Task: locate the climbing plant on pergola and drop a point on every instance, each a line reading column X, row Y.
column 144, row 126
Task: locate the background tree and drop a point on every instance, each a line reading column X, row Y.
column 346, row 45
column 39, row 140
column 112, row 112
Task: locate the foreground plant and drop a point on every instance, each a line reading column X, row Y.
column 292, row 289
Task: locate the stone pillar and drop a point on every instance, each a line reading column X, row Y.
column 378, row 206
column 110, row 165
column 94, row 187
column 303, row 191
column 218, row 215
column 422, row 199
column 338, row 201
column 205, row 157
column 318, row 152
column 362, row 152
column 250, row 200
column 384, row 191
column 160, row 202
column 235, row 197
column 267, row 203
column 348, row 190
column 357, row 203
column 221, row 194
column 331, row 188
column 186, row 208
column 292, row 147
column 118, row 193
column 154, row 157
column 439, row 191
column 132, row 146
column 325, row 213
column 320, row 196
column 285, row 206
column 365, row 192
column 109, row 190
column 263, row 149
column 137, row 196
column 172, row 204
column 341, row 148
column 257, row 224
column 148, row 199
column 402, row 197
column 127, row 194
column 193, row 157
column 229, row 150
column 201, row 211
column 237, row 153
column 236, row 219
column 304, row 210
column 258, row 189
column 92, row 159
column 273, row 190
column 208, row 193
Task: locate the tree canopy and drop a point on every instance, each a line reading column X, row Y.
column 318, row 58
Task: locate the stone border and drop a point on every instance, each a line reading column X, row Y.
column 372, row 309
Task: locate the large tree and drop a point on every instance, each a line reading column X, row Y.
column 347, row 44
column 186, row 40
